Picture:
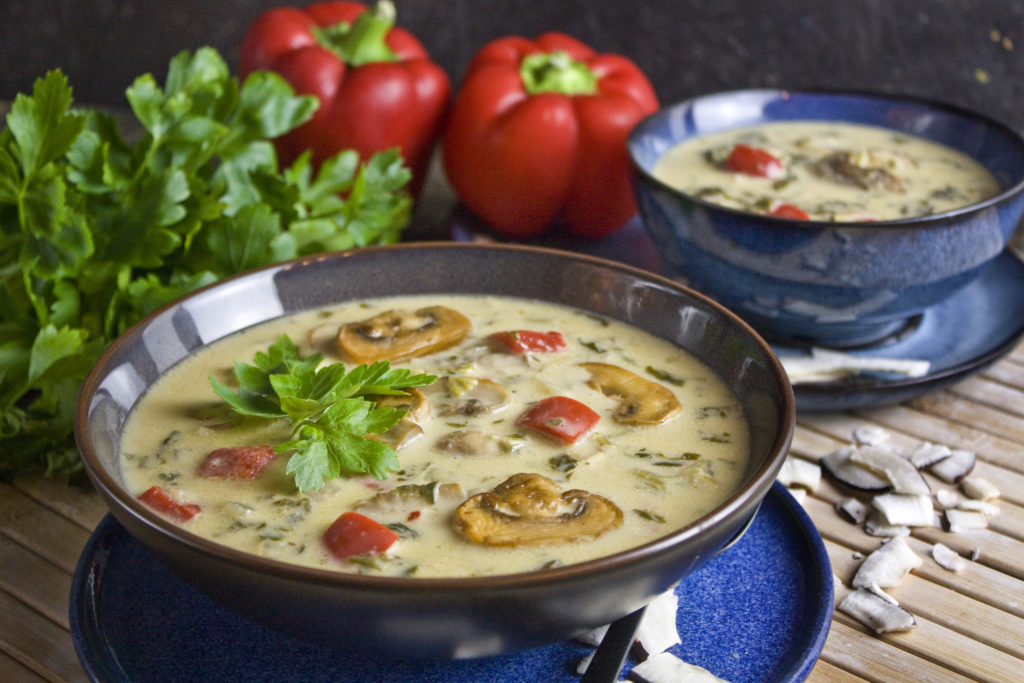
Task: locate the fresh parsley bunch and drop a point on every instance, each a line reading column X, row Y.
column 328, row 409
column 96, row 232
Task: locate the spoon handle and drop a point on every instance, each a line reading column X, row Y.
column 611, row 653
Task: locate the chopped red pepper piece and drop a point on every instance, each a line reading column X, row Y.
column 753, row 161
column 236, row 462
column 355, row 534
column 528, row 341
column 158, row 499
column 790, row 211
column 559, row 417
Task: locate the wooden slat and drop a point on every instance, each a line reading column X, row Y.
column 34, row 580
column 14, row 671
column 78, row 502
column 37, row 642
column 41, row 529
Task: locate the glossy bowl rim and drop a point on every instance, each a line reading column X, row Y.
column 759, row 479
column 928, row 221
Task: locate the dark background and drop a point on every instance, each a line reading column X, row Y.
column 964, row 52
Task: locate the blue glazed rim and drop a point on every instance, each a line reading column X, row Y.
column 111, row 651
column 778, row 105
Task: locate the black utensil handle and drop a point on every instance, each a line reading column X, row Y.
column 612, row 652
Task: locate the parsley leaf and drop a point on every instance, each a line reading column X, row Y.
column 97, row 231
column 328, row 408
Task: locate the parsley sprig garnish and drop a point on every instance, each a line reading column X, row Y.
column 328, row 409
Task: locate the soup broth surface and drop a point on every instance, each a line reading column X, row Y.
column 829, row 170
column 662, row 477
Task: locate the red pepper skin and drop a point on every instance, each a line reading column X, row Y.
column 236, row 462
column 559, row 417
column 790, row 211
column 528, row 341
column 520, row 161
column 354, row 534
column 158, row 499
column 753, row 161
column 369, row 108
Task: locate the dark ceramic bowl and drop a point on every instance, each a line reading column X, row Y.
column 834, row 284
column 436, row 618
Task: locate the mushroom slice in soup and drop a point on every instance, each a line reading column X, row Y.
column 406, row 497
column 472, row 442
column 410, row 427
column 397, row 334
column 866, row 170
column 529, row 509
column 641, row 401
column 468, row 396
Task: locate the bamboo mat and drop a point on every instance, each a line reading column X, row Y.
column 970, row 625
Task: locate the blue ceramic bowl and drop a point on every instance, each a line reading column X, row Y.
column 817, row 282
column 443, row 618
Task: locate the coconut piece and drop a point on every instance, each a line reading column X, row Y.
column 927, row 454
column 839, row 465
column 665, row 667
column 799, row 495
column 870, row 435
column 902, row 475
column 799, row 473
column 953, row 469
column 657, row 631
column 906, row 510
column 887, row 566
column 979, row 488
column 852, row 510
column 958, row 521
column 877, row 613
column 825, row 365
column 947, row 498
column 593, row 637
column 984, row 507
column 947, row 558
column 877, row 525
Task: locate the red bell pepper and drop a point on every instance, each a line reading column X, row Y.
column 354, row 534
column 528, row 341
column 377, row 87
column 538, row 133
column 158, row 499
column 559, row 417
column 753, row 161
column 236, row 462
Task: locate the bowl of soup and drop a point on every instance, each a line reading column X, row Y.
column 436, row 450
column 826, row 218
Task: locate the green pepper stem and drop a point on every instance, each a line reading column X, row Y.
column 556, row 72
column 362, row 41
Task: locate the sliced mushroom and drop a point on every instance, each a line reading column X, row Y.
column 468, row 396
column 641, row 401
column 413, row 402
column 410, row 427
column 866, row 170
column 474, row 442
column 529, row 509
column 396, row 334
column 411, row 496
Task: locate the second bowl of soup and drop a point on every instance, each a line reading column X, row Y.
column 822, row 217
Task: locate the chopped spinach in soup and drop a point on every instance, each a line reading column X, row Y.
column 550, row 436
column 827, row 171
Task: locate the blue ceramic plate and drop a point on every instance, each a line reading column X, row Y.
column 758, row 612
column 959, row 337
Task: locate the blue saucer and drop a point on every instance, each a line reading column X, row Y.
column 759, row 612
column 959, row 337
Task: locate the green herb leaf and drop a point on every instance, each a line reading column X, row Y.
column 327, row 407
column 97, row 231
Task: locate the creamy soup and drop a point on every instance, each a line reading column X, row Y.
column 669, row 444
column 826, row 171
